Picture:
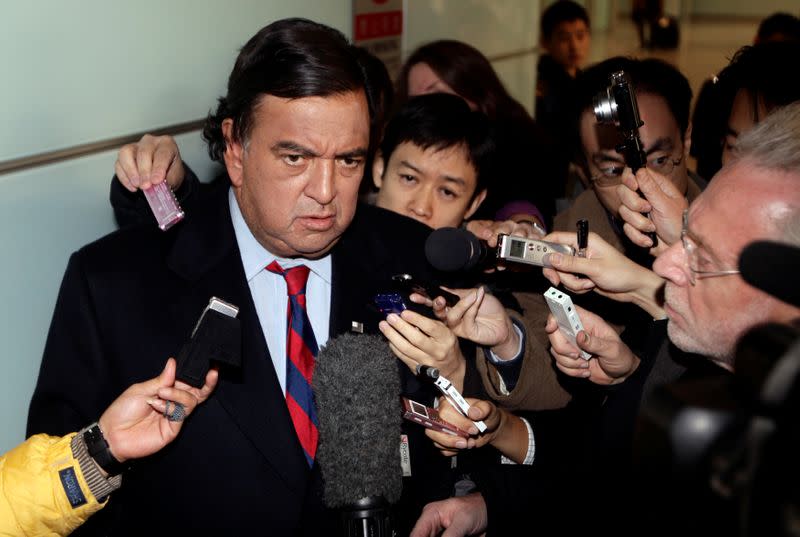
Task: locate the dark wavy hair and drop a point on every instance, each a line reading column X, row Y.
column 442, row 121
column 290, row 58
column 468, row 72
column 764, row 71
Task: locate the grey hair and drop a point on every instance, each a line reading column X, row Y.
column 773, row 144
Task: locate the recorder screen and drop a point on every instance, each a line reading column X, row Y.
column 517, row 248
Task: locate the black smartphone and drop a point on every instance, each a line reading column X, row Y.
column 409, row 285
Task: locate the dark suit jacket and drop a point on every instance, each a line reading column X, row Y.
column 130, row 300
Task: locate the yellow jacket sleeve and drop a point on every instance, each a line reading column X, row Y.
column 42, row 489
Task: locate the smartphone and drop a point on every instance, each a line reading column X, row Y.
column 408, row 285
column 429, row 418
column 390, row 303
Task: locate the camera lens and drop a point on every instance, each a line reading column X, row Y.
column 605, row 107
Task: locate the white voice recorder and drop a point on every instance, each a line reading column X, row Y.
column 530, row 251
column 568, row 321
column 457, row 400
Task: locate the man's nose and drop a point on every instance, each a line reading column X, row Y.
column 672, row 264
column 421, row 204
column 321, row 185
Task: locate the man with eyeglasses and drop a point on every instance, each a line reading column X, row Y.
column 663, row 96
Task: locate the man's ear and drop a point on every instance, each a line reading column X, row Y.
column 233, row 153
column 687, row 141
column 476, row 202
column 378, row 167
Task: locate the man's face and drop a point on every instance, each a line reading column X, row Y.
column 422, row 80
column 296, row 178
column 569, row 45
column 434, row 186
column 660, row 135
column 741, row 120
column 740, row 205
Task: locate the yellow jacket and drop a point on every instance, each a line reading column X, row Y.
column 37, row 480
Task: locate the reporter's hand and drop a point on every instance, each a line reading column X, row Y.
column 134, row 425
column 605, row 270
column 664, row 203
column 449, row 444
column 416, row 339
column 458, row 517
column 479, row 317
column 148, row 162
column 488, row 230
column 611, row 362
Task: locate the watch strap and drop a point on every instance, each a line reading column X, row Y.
column 97, row 446
column 99, row 485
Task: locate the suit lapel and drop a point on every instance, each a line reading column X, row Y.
column 206, row 255
column 358, row 259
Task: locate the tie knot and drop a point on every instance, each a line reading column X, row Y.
column 296, row 277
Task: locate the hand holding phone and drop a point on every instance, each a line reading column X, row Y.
column 429, row 418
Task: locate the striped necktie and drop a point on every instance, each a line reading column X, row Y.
column 301, row 349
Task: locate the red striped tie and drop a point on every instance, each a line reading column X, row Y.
column 301, row 349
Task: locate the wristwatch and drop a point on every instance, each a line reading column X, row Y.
column 97, row 447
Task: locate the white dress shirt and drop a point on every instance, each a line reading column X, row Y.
column 269, row 291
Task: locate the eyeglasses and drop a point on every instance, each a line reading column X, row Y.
column 699, row 264
column 611, row 172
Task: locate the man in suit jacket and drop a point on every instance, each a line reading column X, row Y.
column 293, row 132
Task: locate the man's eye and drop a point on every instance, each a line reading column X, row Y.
column 659, row 161
column 409, row 179
column 613, row 171
column 448, row 194
column 350, row 162
column 293, row 160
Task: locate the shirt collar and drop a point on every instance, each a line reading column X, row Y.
column 255, row 257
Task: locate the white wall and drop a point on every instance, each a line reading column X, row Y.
column 494, row 28
column 744, row 8
column 89, row 70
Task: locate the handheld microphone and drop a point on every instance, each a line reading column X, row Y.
column 357, row 390
column 773, row 268
column 451, row 249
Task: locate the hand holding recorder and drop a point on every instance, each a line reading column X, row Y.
column 148, row 162
column 504, row 431
column 611, row 361
column 605, row 270
column 154, row 165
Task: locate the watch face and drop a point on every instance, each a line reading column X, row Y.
column 94, row 440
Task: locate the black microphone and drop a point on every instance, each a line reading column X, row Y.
column 451, row 249
column 772, row 267
column 357, row 390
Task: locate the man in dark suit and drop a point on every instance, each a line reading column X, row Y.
column 293, row 132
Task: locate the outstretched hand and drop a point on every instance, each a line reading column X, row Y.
column 135, row 426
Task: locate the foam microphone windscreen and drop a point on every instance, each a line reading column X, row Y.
column 772, row 267
column 357, row 389
column 450, row 249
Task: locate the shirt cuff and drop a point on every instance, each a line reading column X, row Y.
column 530, row 454
column 510, row 369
